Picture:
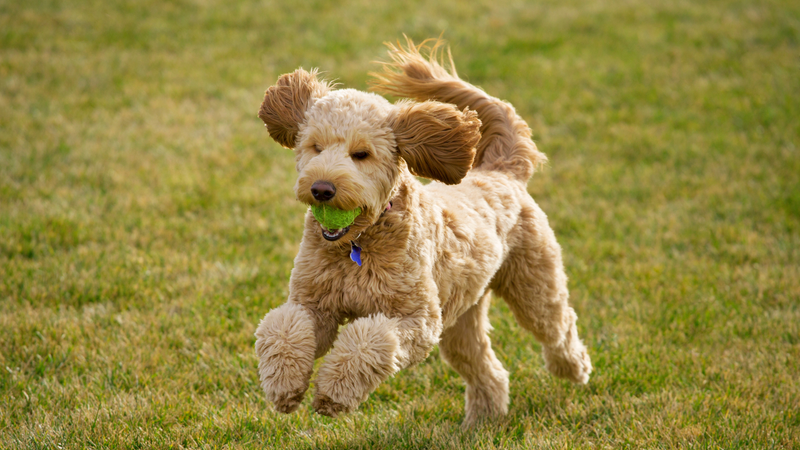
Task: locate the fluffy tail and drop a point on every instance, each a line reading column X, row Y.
column 505, row 143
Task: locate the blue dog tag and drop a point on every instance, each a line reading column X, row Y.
column 355, row 253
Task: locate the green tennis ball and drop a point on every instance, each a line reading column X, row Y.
column 334, row 218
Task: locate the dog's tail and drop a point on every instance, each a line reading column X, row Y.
column 505, row 143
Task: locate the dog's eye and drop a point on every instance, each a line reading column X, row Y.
column 360, row 155
column 317, row 148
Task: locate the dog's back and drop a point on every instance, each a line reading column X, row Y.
column 505, row 143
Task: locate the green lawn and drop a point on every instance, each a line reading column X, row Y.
column 147, row 221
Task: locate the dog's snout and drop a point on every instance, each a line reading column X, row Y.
column 323, row 191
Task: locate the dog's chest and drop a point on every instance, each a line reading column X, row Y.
column 381, row 284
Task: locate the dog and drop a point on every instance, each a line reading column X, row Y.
column 419, row 263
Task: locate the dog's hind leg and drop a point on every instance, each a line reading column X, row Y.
column 466, row 347
column 533, row 283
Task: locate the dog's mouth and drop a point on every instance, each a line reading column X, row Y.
column 334, row 235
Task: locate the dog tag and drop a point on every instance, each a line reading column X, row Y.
column 355, row 253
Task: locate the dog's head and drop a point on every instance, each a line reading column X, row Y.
column 351, row 146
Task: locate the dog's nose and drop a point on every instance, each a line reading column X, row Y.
column 323, row 190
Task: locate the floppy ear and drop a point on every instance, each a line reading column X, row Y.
column 285, row 104
column 436, row 139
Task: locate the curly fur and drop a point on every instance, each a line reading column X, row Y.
column 431, row 261
column 435, row 139
column 285, row 104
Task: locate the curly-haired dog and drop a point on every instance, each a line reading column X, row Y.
column 429, row 255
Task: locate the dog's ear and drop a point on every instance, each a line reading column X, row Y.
column 285, row 104
column 436, row 139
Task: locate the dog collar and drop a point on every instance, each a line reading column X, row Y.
column 355, row 249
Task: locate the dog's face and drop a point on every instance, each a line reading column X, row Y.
column 351, row 146
column 345, row 155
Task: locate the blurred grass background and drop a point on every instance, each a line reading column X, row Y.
column 147, row 222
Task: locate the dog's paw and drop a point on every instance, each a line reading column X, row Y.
column 288, row 402
column 327, row 407
column 572, row 365
column 584, row 368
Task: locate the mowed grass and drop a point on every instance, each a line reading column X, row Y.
column 147, row 221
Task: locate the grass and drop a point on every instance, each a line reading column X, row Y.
column 147, row 222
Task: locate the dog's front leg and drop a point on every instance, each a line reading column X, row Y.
column 367, row 352
column 287, row 341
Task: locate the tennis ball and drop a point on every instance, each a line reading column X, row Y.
column 334, row 218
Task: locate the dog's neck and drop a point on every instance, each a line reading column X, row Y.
column 381, row 233
column 396, row 205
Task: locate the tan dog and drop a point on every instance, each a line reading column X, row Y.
column 431, row 254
